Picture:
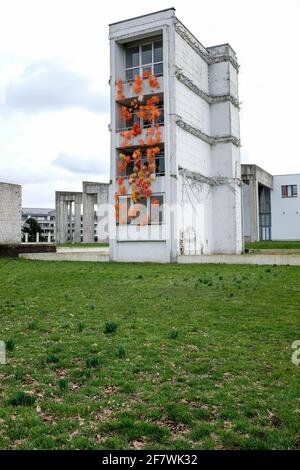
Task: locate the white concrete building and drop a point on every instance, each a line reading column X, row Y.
column 285, row 207
column 10, row 213
column 271, row 205
column 45, row 219
column 195, row 206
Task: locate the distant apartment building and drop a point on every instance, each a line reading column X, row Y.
column 271, row 205
column 45, row 218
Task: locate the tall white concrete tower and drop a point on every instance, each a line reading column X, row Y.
column 175, row 118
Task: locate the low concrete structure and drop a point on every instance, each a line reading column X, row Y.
column 82, row 216
column 10, row 213
column 258, row 259
column 14, row 250
column 71, row 254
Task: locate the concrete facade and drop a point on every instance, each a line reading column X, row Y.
column 200, row 144
column 10, row 213
column 271, row 205
column 82, row 216
column 285, row 210
column 255, row 182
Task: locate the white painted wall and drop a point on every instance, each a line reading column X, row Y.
column 285, row 211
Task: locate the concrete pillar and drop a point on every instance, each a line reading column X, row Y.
column 49, row 237
column 88, row 218
column 254, row 209
column 26, row 237
column 37, row 237
column 225, row 153
column 77, row 222
column 60, row 219
column 102, row 217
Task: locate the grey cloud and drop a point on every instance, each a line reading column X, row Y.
column 46, row 86
column 80, row 164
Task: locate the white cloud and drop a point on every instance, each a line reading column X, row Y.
column 74, row 34
column 48, row 85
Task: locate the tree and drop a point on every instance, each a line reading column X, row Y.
column 32, row 227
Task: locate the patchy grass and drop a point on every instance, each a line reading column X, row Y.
column 274, row 245
column 225, row 380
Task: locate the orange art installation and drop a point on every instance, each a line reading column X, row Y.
column 144, row 166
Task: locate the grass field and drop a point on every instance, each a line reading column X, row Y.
column 192, row 356
column 274, row 245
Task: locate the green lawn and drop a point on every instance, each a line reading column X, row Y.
column 274, row 245
column 200, row 359
column 81, row 245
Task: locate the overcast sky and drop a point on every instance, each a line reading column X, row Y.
column 54, row 93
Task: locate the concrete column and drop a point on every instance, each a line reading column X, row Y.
column 63, row 222
column 88, row 218
column 77, row 222
column 49, row 237
column 26, row 237
column 60, row 219
column 225, row 153
column 37, row 237
column 254, row 209
column 102, row 218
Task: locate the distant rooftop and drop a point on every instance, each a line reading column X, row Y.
column 36, row 211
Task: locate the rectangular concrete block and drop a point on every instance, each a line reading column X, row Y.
column 10, row 213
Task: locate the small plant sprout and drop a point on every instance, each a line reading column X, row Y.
column 10, row 345
column 93, row 362
column 173, row 334
column 63, row 384
column 121, row 352
column 21, row 399
column 110, row 327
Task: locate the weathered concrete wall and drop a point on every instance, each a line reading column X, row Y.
column 253, row 176
column 10, row 213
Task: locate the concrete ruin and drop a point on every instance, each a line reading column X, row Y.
column 10, row 213
column 82, row 216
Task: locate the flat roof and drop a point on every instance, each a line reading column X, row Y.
column 289, row 174
column 142, row 16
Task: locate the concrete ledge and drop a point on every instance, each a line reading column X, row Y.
column 75, row 256
column 280, row 260
column 103, row 250
column 13, row 250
